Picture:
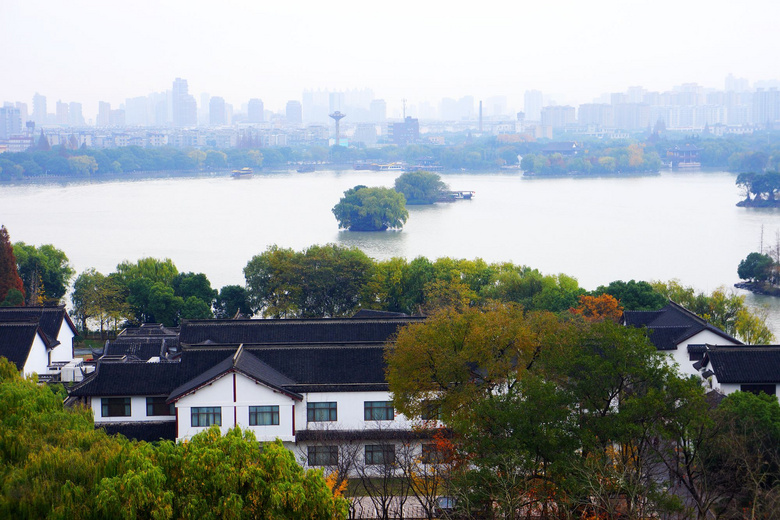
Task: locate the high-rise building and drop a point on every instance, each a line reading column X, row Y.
column 116, row 118
column 254, row 110
column 39, row 109
column 22, row 111
column 185, row 109
column 62, row 113
column 557, row 116
column 10, row 121
column 596, row 114
column 217, row 115
column 766, row 107
column 104, row 114
column 378, row 109
column 294, row 113
column 532, row 105
column 404, row 133
column 137, row 111
column 75, row 115
column 734, row 84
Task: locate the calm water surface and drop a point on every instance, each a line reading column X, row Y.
column 674, row 225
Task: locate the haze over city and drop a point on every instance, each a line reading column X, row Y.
column 572, row 51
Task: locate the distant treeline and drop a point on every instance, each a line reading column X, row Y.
column 757, row 152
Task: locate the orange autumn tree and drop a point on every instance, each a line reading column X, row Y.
column 598, row 308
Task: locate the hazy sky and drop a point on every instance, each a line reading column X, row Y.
column 573, row 50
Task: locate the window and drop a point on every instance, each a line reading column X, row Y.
column 322, row 455
column 431, row 411
column 206, row 416
column 115, row 406
column 378, row 411
column 432, row 454
column 263, row 415
column 757, row 389
column 380, row 454
column 158, row 406
column 316, row 412
column 695, row 356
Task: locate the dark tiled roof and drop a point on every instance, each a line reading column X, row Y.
column 16, row 340
column 745, row 364
column 697, row 349
column 49, row 318
column 141, row 347
column 242, row 362
column 149, row 431
column 371, row 313
column 670, row 326
column 150, row 329
column 289, row 332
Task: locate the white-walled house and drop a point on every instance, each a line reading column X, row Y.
column 36, row 339
column 680, row 334
column 751, row 368
column 309, row 383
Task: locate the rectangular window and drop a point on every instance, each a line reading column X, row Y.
column 263, row 415
column 431, row 454
column 158, row 406
column 115, row 406
column 322, row 455
column 378, row 411
column 695, row 356
column 316, row 412
column 431, row 411
column 206, row 416
column 380, row 454
column 757, row 389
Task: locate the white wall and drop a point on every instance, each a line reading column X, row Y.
column 38, row 358
column 63, row 351
column 350, row 412
column 682, row 357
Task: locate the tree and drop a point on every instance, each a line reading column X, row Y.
column 320, row 281
column 98, row 297
column 420, row 187
column 756, row 267
column 597, row 308
column 371, row 209
column 45, row 272
column 232, row 300
column 633, row 295
column 9, row 275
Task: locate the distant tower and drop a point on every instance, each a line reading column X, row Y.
column 337, row 116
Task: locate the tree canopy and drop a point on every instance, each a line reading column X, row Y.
column 371, row 209
column 9, row 275
column 45, row 271
column 420, row 187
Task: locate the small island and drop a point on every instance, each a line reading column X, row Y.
column 763, row 187
column 762, row 274
column 371, row 209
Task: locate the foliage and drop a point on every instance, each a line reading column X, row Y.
column 45, row 272
column 232, row 300
column 757, row 267
column 551, row 413
column 764, row 186
column 317, row 282
column 598, row 308
column 55, row 464
column 420, row 187
column 371, row 209
column 725, row 310
column 619, row 159
column 633, row 295
column 9, row 275
column 98, row 297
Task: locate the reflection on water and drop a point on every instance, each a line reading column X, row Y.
column 673, row 225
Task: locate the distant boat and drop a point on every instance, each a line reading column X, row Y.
column 305, row 168
column 243, row 173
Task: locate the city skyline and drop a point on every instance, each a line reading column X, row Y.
column 572, row 51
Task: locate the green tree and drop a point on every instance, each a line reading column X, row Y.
column 9, row 275
column 197, row 286
column 756, row 267
column 317, row 282
column 633, row 295
column 98, row 297
column 45, row 272
column 420, row 187
column 232, row 300
column 371, row 209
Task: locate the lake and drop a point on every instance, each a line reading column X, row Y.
column 671, row 225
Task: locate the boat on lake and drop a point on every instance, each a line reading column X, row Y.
column 243, row 173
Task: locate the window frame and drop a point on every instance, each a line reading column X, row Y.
column 315, row 411
column 264, row 411
column 211, row 415
column 156, row 403
column 109, row 406
column 378, row 411
column 379, row 454
column 322, row 455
